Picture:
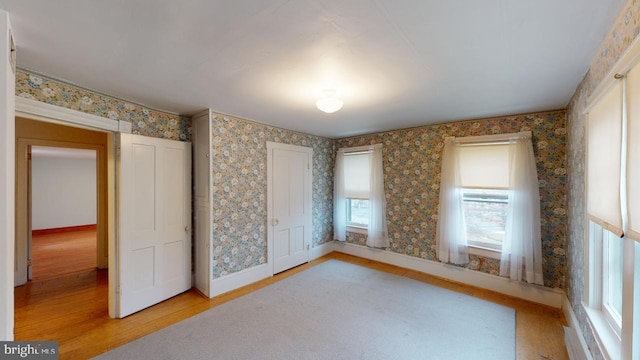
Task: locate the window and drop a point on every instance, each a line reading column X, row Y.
column 485, row 212
column 605, row 288
column 357, row 175
column 359, row 200
column 490, row 204
column 484, row 172
column 612, row 238
column 606, row 188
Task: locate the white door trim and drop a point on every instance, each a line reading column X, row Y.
column 7, row 179
column 36, row 110
column 270, row 235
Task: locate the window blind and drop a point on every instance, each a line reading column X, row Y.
column 484, row 166
column 633, row 154
column 604, row 144
column 357, row 175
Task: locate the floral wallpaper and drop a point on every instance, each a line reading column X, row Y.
column 411, row 171
column 623, row 32
column 239, row 166
column 144, row 121
column 412, row 181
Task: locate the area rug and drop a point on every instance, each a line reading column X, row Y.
column 337, row 310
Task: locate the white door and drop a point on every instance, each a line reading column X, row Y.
column 154, row 245
column 289, row 204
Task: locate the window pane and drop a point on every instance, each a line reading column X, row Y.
column 485, row 213
column 612, row 276
column 358, row 212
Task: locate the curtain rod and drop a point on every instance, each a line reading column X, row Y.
column 357, row 149
column 490, row 139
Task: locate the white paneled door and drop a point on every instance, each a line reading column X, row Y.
column 289, row 204
column 154, row 246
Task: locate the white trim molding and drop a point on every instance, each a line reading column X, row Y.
column 7, row 180
column 321, row 250
column 239, row 279
column 626, row 61
column 573, row 337
column 245, row 277
column 38, row 110
column 535, row 293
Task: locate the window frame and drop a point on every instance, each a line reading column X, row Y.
column 498, row 139
column 606, row 333
column 354, row 227
column 614, row 319
column 614, row 342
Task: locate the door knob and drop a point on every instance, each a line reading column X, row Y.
column 275, row 222
column 187, row 228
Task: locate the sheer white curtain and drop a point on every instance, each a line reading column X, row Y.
column 451, row 233
column 378, row 235
column 522, row 248
column 339, row 200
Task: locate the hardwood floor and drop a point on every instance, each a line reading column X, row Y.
column 73, row 311
column 58, row 253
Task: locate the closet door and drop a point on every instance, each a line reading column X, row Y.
column 289, row 204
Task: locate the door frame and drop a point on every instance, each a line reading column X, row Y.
column 39, row 111
column 36, row 133
column 308, row 187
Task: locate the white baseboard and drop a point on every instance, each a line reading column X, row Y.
column 245, row 277
column 321, row 250
column 576, row 346
column 239, row 279
column 535, row 293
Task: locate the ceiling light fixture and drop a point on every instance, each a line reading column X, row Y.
column 330, row 103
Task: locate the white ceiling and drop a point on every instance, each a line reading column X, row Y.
column 395, row 63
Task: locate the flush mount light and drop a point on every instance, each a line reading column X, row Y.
column 330, row 103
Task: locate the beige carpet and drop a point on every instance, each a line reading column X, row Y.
column 337, row 310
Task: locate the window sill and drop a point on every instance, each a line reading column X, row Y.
column 608, row 341
column 357, row 229
column 484, row 252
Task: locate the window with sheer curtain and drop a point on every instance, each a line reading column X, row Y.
column 489, row 198
column 359, row 199
column 484, row 177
